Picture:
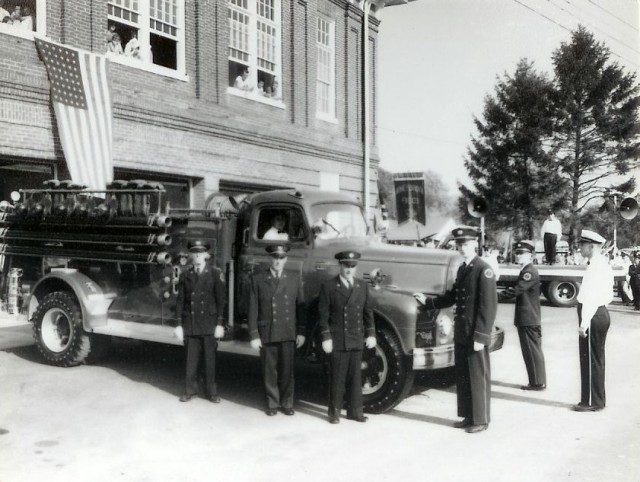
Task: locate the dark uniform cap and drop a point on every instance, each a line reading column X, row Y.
column 277, row 250
column 465, row 233
column 198, row 246
column 349, row 258
column 588, row 236
column 524, row 245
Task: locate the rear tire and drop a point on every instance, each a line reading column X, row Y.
column 563, row 293
column 58, row 331
column 387, row 373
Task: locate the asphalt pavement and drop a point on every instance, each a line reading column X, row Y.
column 121, row 419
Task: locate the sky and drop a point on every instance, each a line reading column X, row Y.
column 438, row 59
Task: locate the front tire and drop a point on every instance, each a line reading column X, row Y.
column 58, row 331
column 387, row 373
column 563, row 293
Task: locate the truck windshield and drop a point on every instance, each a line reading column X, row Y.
column 331, row 221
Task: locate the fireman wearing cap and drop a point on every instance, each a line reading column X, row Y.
column 346, row 317
column 527, row 315
column 199, row 309
column 593, row 318
column 476, row 299
column 634, row 280
column 277, row 325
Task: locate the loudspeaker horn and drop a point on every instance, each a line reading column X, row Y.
column 478, row 207
column 628, row 208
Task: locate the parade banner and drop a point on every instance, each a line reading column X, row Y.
column 410, row 199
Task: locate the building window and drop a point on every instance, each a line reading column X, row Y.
column 254, row 48
column 23, row 17
column 326, row 80
column 147, row 31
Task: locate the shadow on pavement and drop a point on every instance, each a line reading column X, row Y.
column 421, row 418
column 505, row 384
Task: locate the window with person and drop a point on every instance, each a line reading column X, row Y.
column 19, row 17
column 151, row 31
column 281, row 224
column 326, row 71
column 338, row 220
column 255, row 47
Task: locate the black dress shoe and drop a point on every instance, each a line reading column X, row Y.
column 334, row 420
column 464, row 423
column 586, row 408
column 270, row 412
column 535, row 388
column 288, row 411
column 360, row 419
column 477, row 428
column 186, row 398
column 213, row 398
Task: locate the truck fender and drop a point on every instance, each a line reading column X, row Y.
column 94, row 301
column 382, row 320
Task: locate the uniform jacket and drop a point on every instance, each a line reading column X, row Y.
column 200, row 303
column 527, row 295
column 476, row 299
column 346, row 315
column 276, row 307
column 634, row 275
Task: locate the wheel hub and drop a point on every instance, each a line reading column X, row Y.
column 375, row 370
column 56, row 330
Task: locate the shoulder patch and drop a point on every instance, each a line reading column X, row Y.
column 488, row 273
column 526, row 276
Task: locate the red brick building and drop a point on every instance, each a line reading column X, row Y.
column 182, row 112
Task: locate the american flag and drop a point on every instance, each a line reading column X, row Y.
column 81, row 97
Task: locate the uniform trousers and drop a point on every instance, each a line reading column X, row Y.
column 473, row 383
column 592, row 359
column 550, row 247
column 531, row 345
column 201, row 348
column 345, row 373
column 277, row 373
column 635, row 289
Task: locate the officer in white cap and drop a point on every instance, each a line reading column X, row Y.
column 595, row 294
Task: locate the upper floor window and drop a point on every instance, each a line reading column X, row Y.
column 23, row 17
column 149, row 31
column 326, row 78
column 254, row 48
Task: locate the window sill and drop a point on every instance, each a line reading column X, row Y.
column 147, row 67
column 327, row 118
column 16, row 32
column 272, row 101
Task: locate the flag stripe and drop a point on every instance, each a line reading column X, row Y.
column 90, row 129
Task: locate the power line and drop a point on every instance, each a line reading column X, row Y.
column 593, row 26
column 537, row 12
column 614, row 16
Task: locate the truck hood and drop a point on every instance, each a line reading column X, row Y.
column 403, row 268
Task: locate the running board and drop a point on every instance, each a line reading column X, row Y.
column 164, row 334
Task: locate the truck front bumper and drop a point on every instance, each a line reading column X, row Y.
column 443, row 356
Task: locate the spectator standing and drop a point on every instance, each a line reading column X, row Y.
column 593, row 318
column 634, row 280
column 551, row 233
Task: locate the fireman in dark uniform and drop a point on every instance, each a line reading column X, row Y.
column 476, row 299
column 277, row 325
column 199, row 309
column 527, row 315
column 634, row 280
column 346, row 318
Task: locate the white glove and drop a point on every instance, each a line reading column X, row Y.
column 327, row 346
column 299, row 341
column 219, row 332
column 256, row 344
column 582, row 331
column 477, row 346
column 178, row 333
column 370, row 342
column 420, row 298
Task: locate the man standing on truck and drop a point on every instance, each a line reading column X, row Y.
column 199, row 309
column 551, row 234
column 594, row 296
column 277, row 325
column 476, row 299
column 527, row 315
column 346, row 317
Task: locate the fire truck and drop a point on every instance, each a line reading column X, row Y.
column 84, row 267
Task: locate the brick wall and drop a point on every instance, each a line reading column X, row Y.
column 194, row 128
